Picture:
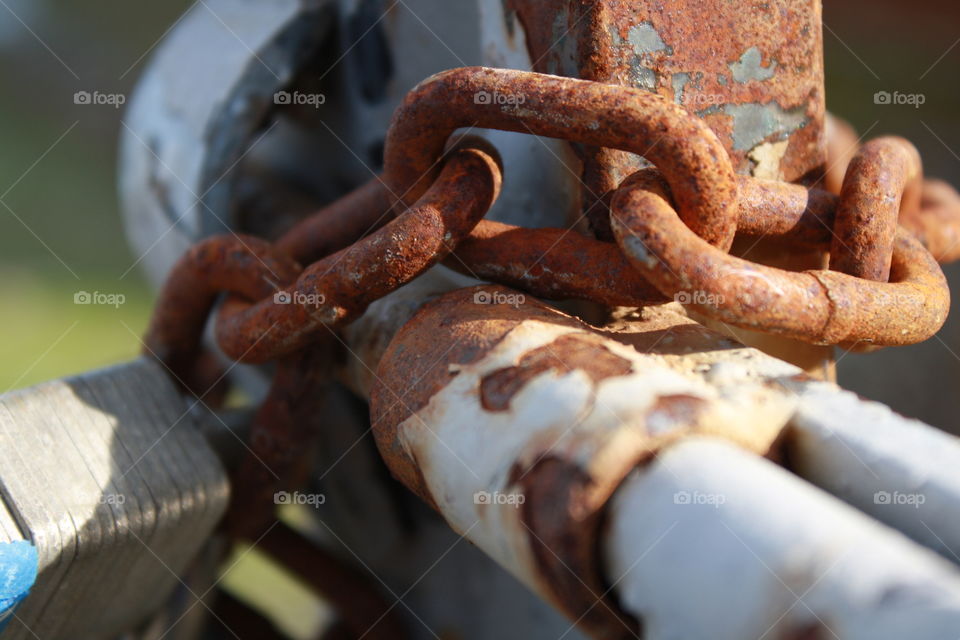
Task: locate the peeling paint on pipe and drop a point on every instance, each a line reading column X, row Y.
column 711, row 543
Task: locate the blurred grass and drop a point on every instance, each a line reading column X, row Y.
column 60, row 228
column 51, row 336
column 255, row 578
column 60, row 235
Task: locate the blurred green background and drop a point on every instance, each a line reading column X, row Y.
column 60, row 229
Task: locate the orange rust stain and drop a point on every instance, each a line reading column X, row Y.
column 677, row 409
column 566, row 353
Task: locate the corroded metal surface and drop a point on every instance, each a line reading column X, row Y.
column 254, row 327
column 244, row 265
column 687, row 152
column 277, row 308
column 339, row 224
column 701, row 110
column 756, row 80
column 930, row 208
column 556, row 264
column 490, row 372
column 336, row 289
column 883, row 174
column 823, row 306
column 758, row 86
column 588, row 446
column 937, row 222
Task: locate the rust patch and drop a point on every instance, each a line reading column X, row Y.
column 883, row 174
column 675, row 410
column 688, row 152
column 771, row 51
column 929, row 208
column 449, row 330
column 241, row 265
column 564, row 511
column 557, row 264
column 337, row 289
column 566, row 353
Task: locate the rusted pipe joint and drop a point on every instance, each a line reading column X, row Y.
column 519, row 400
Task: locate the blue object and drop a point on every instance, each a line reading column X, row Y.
column 18, row 572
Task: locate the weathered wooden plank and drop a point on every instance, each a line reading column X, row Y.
column 110, row 477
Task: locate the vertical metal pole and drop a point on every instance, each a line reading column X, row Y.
column 752, row 71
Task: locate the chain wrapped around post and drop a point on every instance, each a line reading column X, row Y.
column 673, row 226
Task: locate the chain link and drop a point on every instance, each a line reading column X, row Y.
column 662, row 234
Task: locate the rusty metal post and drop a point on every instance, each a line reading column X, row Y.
column 752, row 71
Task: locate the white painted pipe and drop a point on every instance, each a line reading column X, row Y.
column 529, row 433
column 902, row 472
column 710, row 542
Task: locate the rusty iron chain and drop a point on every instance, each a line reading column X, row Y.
column 272, row 313
column 664, row 231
